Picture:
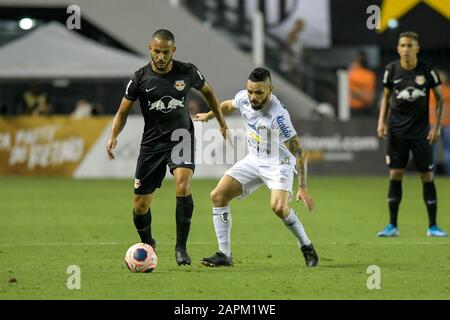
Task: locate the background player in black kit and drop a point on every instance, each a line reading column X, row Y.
column 407, row 83
column 161, row 87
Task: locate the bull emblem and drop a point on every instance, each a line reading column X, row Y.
column 410, row 94
column 166, row 104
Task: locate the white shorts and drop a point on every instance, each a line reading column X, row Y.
column 252, row 174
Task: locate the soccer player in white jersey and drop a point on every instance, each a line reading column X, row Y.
column 275, row 155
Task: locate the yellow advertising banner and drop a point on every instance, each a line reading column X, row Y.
column 55, row 145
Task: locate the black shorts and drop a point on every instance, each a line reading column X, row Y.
column 398, row 153
column 151, row 168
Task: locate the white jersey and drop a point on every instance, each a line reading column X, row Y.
column 267, row 129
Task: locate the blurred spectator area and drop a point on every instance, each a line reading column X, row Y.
column 64, row 94
column 316, row 75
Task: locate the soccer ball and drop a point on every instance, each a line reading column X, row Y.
column 141, row 257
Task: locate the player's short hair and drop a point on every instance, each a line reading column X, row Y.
column 164, row 34
column 260, row 74
column 409, row 34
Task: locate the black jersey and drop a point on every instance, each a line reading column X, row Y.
column 163, row 102
column 410, row 98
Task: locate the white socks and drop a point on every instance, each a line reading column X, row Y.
column 222, row 225
column 293, row 223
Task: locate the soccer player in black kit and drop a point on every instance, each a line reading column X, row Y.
column 162, row 86
column 407, row 83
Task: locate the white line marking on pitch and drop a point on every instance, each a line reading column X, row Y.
column 62, row 244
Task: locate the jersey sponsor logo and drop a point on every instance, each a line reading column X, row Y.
column 398, row 81
column 284, row 129
column 410, row 94
column 420, row 80
column 166, row 104
column 180, row 85
column 252, row 135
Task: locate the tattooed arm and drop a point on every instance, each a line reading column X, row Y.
column 296, row 148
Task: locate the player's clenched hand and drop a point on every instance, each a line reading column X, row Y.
column 203, row 117
column 434, row 135
column 112, row 142
column 303, row 195
column 382, row 130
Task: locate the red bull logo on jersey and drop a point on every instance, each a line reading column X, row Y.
column 166, row 104
column 410, row 94
column 179, row 85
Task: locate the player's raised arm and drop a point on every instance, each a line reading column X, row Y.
column 225, row 106
column 435, row 132
column 118, row 123
column 296, row 148
column 384, row 107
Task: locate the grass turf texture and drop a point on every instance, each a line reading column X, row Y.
column 47, row 224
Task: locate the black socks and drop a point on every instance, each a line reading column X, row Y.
column 430, row 198
column 394, row 198
column 185, row 207
column 143, row 225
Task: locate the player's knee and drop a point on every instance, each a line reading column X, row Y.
column 182, row 189
column 218, row 198
column 396, row 174
column 426, row 176
column 141, row 205
column 280, row 209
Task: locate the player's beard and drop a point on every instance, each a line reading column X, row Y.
column 262, row 104
column 159, row 66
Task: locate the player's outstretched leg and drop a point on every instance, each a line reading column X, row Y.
column 279, row 203
column 227, row 189
column 142, row 218
column 222, row 226
column 292, row 222
column 183, row 214
column 184, row 210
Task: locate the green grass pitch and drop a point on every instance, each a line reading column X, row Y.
column 47, row 224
